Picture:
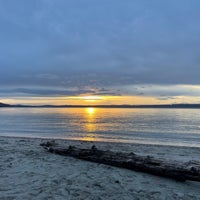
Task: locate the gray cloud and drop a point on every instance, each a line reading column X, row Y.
column 98, row 44
column 162, row 91
column 54, row 92
column 47, row 76
column 164, row 98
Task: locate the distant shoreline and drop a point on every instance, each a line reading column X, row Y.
column 187, row 106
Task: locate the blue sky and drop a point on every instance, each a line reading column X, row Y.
column 107, row 47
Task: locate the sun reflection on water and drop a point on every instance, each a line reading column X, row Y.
column 90, row 125
column 90, row 111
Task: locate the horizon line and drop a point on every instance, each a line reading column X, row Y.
column 176, row 105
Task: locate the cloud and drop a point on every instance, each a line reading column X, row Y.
column 54, row 92
column 162, row 91
column 47, row 76
column 67, row 44
column 164, row 98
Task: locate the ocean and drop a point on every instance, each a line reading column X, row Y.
column 178, row 127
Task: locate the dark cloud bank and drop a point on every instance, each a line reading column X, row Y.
column 97, row 44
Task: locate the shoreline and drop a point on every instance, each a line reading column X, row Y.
column 104, row 141
column 29, row 172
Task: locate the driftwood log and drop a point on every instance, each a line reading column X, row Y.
column 170, row 169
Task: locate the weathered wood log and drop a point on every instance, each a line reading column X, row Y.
column 178, row 171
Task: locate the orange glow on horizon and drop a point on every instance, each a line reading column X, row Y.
column 97, row 100
column 92, row 98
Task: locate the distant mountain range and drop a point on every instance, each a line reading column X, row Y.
column 105, row 106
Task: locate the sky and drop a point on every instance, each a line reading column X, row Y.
column 99, row 52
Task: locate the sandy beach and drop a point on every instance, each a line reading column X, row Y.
column 29, row 172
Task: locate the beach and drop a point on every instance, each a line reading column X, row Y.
column 27, row 171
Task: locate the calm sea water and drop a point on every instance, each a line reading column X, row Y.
column 154, row 126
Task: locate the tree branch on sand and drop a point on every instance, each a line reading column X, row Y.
column 170, row 169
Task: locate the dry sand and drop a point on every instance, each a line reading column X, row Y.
column 29, row 172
